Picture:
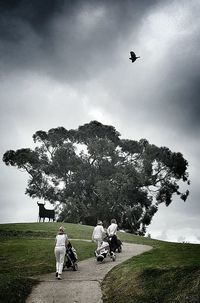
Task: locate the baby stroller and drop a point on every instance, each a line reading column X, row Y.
column 115, row 243
column 71, row 257
column 105, row 250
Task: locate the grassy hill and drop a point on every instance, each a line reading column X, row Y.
column 168, row 273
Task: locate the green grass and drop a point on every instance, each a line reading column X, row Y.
column 27, row 250
column 169, row 273
column 75, row 231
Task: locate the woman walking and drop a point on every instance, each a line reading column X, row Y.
column 98, row 233
column 60, row 250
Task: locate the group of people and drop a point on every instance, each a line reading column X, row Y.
column 61, row 242
column 99, row 232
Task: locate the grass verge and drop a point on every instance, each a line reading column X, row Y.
column 27, row 250
column 170, row 273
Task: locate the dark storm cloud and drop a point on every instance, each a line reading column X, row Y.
column 186, row 105
column 74, row 41
column 36, row 14
column 164, row 85
column 66, row 39
column 181, row 80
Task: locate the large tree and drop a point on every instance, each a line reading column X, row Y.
column 93, row 174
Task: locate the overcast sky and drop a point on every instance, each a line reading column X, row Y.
column 65, row 63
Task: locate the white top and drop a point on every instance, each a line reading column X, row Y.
column 98, row 232
column 112, row 229
column 61, row 240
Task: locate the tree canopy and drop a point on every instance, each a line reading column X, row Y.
column 94, row 174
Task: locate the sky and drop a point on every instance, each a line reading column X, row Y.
column 66, row 63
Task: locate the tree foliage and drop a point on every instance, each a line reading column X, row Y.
column 93, row 174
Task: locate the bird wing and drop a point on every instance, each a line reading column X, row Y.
column 133, row 55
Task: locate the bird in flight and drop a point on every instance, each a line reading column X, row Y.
column 133, row 57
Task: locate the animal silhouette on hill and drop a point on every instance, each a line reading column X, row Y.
column 45, row 213
column 133, row 57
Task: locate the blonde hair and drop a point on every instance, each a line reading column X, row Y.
column 61, row 229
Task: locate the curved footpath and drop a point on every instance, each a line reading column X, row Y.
column 82, row 286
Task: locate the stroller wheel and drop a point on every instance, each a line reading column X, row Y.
column 119, row 249
column 100, row 258
column 75, row 267
column 113, row 257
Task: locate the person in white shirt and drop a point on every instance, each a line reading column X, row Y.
column 112, row 233
column 60, row 250
column 112, row 229
column 98, row 233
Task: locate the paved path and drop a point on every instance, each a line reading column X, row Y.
column 82, row 286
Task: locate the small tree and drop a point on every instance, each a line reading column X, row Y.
column 94, row 174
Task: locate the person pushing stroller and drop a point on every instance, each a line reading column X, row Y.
column 101, row 237
column 61, row 241
column 112, row 228
column 98, row 233
column 115, row 243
